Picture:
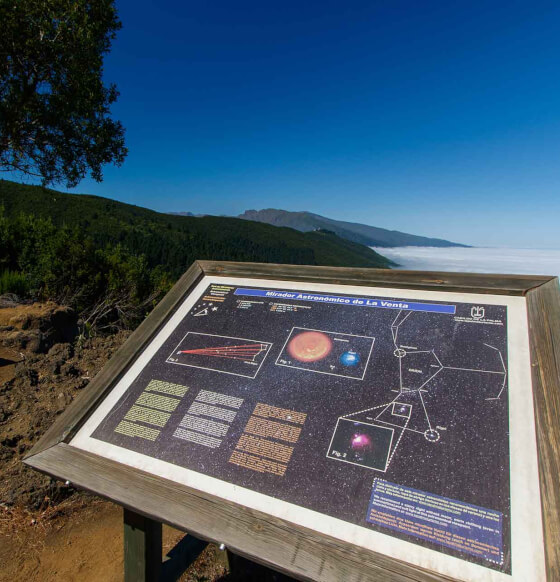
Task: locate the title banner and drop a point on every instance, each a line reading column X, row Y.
column 352, row 301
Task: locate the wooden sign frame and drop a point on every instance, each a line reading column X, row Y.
column 284, row 546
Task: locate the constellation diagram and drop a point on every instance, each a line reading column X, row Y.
column 371, row 437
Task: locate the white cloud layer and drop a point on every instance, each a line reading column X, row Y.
column 476, row 260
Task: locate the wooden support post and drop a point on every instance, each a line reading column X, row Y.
column 142, row 548
column 222, row 555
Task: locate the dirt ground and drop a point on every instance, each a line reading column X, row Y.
column 49, row 531
column 40, row 375
column 82, row 540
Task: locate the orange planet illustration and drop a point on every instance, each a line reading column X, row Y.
column 310, row 346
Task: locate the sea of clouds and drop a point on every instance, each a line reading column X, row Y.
column 475, row 260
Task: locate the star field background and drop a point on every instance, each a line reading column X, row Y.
column 469, row 462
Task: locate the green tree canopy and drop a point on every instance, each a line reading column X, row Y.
column 54, row 107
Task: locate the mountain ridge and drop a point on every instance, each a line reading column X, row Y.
column 176, row 241
column 364, row 234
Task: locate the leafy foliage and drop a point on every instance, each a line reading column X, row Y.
column 109, row 286
column 54, row 107
column 112, row 261
column 13, row 282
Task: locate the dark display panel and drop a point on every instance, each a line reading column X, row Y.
column 385, row 413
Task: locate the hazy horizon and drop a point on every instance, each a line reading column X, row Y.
column 503, row 260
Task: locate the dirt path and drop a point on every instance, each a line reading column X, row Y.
column 84, row 542
column 85, row 545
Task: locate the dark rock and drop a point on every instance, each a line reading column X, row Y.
column 41, row 418
column 62, row 352
column 27, row 374
column 42, row 341
column 11, row 441
column 6, row 453
column 38, row 333
column 9, row 300
column 70, row 370
column 82, row 383
column 65, row 321
column 16, row 340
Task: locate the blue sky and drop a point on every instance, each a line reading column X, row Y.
column 436, row 118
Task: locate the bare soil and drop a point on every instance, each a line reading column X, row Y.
column 82, row 541
column 36, row 388
column 50, row 531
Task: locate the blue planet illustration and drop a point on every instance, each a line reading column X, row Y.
column 350, row 359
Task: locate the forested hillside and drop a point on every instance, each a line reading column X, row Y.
column 101, row 256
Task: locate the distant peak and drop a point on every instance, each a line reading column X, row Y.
column 356, row 232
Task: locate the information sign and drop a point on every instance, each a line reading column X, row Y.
column 400, row 421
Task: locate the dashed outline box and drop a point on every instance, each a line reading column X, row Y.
column 269, row 344
column 319, row 371
column 387, row 458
